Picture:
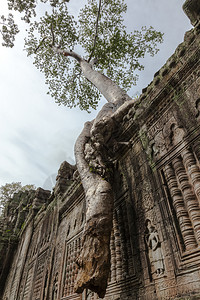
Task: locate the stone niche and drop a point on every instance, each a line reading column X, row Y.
column 155, row 240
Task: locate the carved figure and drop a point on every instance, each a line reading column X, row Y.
column 154, row 248
column 177, row 134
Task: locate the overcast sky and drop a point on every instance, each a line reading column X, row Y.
column 37, row 135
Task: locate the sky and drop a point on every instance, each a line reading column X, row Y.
column 37, row 135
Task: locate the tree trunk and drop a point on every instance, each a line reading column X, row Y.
column 111, row 91
column 91, row 159
column 94, row 259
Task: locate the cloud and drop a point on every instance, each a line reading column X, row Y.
column 36, row 134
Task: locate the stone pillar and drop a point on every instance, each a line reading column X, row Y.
column 128, row 242
column 180, row 209
column 193, row 171
column 117, row 249
column 123, row 243
column 190, row 200
column 113, row 258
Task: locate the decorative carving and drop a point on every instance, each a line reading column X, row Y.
column 55, row 288
column 159, row 125
column 179, row 206
column 188, row 195
column 113, row 258
column 177, row 134
column 39, row 276
column 46, row 231
column 45, row 288
column 117, row 248
column 165, row 134
column 28, row 283
column 129, row 258
column 124, row 257
column 154, row 249
column 193, row 170
column 196, row 148
column 71, row 269
column 147, row 197
column 159, row 145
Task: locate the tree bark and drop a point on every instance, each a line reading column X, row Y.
column 94, row 259
column 110, row 90
column 91, row 160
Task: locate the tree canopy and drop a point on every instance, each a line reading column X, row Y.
column 98, row 34
column 8, row 190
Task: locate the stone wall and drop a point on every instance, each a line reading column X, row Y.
column 155, row 241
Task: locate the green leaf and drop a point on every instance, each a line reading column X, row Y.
column 118, row 52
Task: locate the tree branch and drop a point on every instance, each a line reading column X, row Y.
column 67, row 53
column 53, row 36
column 96, row 33
column 4, row 24
column 42, row 41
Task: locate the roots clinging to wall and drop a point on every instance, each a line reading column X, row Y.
column 94, row 167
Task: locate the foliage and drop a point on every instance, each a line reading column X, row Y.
column 98, row 33
column 8, row 190
column 8, row 30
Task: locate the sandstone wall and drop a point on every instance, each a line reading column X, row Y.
column 155, row 241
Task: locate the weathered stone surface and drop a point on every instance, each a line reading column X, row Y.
column 64, row 178
column 11, row 223
column 41, row 198
column 150, row 248
column 192, row 10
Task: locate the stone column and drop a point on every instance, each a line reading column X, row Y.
column 190, row 200
column 193, row 171
column 180, row 209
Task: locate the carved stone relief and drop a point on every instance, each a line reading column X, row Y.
column 71, row 268
column 28, row 284
column 183, row 180
column 55, row 288
column 170, row 134
column 147, row 197
column 163, row 135
column 177, row 134
column 154, row 249
column 37, row 289
column 180, row 208
column 191, row 89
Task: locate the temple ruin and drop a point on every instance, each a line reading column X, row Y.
column 154, row 154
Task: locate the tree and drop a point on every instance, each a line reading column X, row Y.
column 81, row 60
column 8, row 190
column 102, row 40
